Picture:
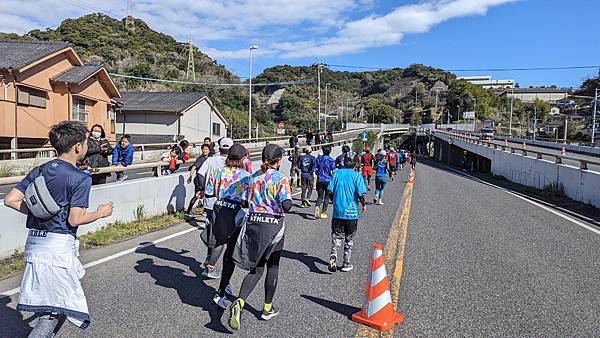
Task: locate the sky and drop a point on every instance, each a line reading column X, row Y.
column 450, row 34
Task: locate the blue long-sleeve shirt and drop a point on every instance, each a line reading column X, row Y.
column 306, row 164
column 324, row 165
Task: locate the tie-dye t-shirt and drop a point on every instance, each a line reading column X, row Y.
column 267, row 192
column 229, row 183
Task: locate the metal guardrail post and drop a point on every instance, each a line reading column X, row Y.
column 583, row 165
column 539, row 156
column 142, row 156
column 558, row 160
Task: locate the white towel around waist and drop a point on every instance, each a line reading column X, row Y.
column 51, row 280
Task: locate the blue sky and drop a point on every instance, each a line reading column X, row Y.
column 450, row 34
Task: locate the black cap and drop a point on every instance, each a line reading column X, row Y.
column 272, row 152
column 236, row 152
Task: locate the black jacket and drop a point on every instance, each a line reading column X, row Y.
column 96, row 155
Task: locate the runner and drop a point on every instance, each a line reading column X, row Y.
column 247, row 162
column 306, row 164
column 381, row 176
column 368, row 160
column 209, row 169
column 339, row 161
column 392, row 158
column 348, row 189
column 261, row 240
column 324, row 165
column 294, row 170
column 230, row 187
column 402, row 159
column 51, row 285
column 413, row 162
column 197, row 179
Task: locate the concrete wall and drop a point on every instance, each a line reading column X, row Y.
column 579, row 185
column 552, row 145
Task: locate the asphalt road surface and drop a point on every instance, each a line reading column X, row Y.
column 477, row 261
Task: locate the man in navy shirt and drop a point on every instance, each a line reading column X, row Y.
column 324, row 166
column 70, row 189
column 306, row 164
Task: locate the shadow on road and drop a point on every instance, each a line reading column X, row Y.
column 343, row 309
column 309, row 261
column 12, row 322
column 191, row 290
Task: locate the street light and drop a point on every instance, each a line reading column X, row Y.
column 326, row 111
column 594, row 117
column 250, row 93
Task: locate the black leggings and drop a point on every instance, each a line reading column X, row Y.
column 322, row 195
column 254, row 276
column 228, row 264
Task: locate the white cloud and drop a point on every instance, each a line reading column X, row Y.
column 281, row 27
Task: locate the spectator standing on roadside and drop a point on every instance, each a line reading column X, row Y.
column 211, row 146
column 123, row 156
column 309, row 137
column 329, row 137
column 51, row 285
column 293, row 140
column 97, row 154
column 317, row 137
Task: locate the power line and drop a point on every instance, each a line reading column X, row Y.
column 475, row 70
column 284, row 83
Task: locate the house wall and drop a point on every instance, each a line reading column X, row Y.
column 33, row 122
column 151, row 126
column 530, row 97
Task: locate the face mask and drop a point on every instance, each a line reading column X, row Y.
column 96, row 134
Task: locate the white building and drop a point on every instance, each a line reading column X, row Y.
column 530, row 94
column 487, row 82
column 161, row 117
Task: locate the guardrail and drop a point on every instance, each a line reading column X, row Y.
column 558, row 159
column 157, row 166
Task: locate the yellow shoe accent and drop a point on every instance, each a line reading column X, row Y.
column 323, row 215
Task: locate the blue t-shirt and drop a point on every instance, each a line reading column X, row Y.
column 306, row 164
column 69, row 186
column 347, row 186
column 381, row 168
column 324, row 165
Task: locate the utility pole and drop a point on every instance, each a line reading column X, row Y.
column 448, row 112
column 534, row 121
column 512, row 95
column 566, row 119
column 326, row 110
column 250, row 95
column 594, row 117
column 129, row 20
column 319, row 70
column 191, row 71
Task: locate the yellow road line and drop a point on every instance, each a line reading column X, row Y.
column 394, row 256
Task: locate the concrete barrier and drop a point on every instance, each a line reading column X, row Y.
column 553, row 145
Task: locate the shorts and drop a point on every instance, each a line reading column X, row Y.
column 344, row 226
column 393, row 168
column 367, row 171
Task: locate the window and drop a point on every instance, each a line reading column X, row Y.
column 216, row 129
column 31, row 97
column 79, row 110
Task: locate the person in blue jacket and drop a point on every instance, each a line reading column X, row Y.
column 123, row 155
column 324, row 165
column 306, row 164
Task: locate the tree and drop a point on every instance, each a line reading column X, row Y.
column 415, row 118
column 542, row 108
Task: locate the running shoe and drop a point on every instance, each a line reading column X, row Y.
column 308, row 204
column 229, row 289
column 380, row 202
column 332, row 263
column 266, row 315
column 211, row 272
column 347, row 267
column 220, row 301
column 317, row 212
column 122, row 178
column 323, row 215
column 235, row 315
column 375, row 200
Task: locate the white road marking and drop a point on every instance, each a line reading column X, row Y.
column 119, row 254
column 557, row 213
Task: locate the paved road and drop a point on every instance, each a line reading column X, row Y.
column 472, row 266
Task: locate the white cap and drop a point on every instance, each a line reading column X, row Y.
column 382, row 152
column 225, row 143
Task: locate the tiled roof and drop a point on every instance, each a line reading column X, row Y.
column 77, row 74
column 17, row 54
column 171, row 102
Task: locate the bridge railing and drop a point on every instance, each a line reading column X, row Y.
column 558, row 159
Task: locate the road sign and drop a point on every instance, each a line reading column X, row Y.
column 469, row 115
column 365, row 136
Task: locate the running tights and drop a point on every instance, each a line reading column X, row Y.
column 251, row 280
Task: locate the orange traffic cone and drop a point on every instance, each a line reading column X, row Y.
column 378, row 311
column 411, row 176
column 563, row 152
